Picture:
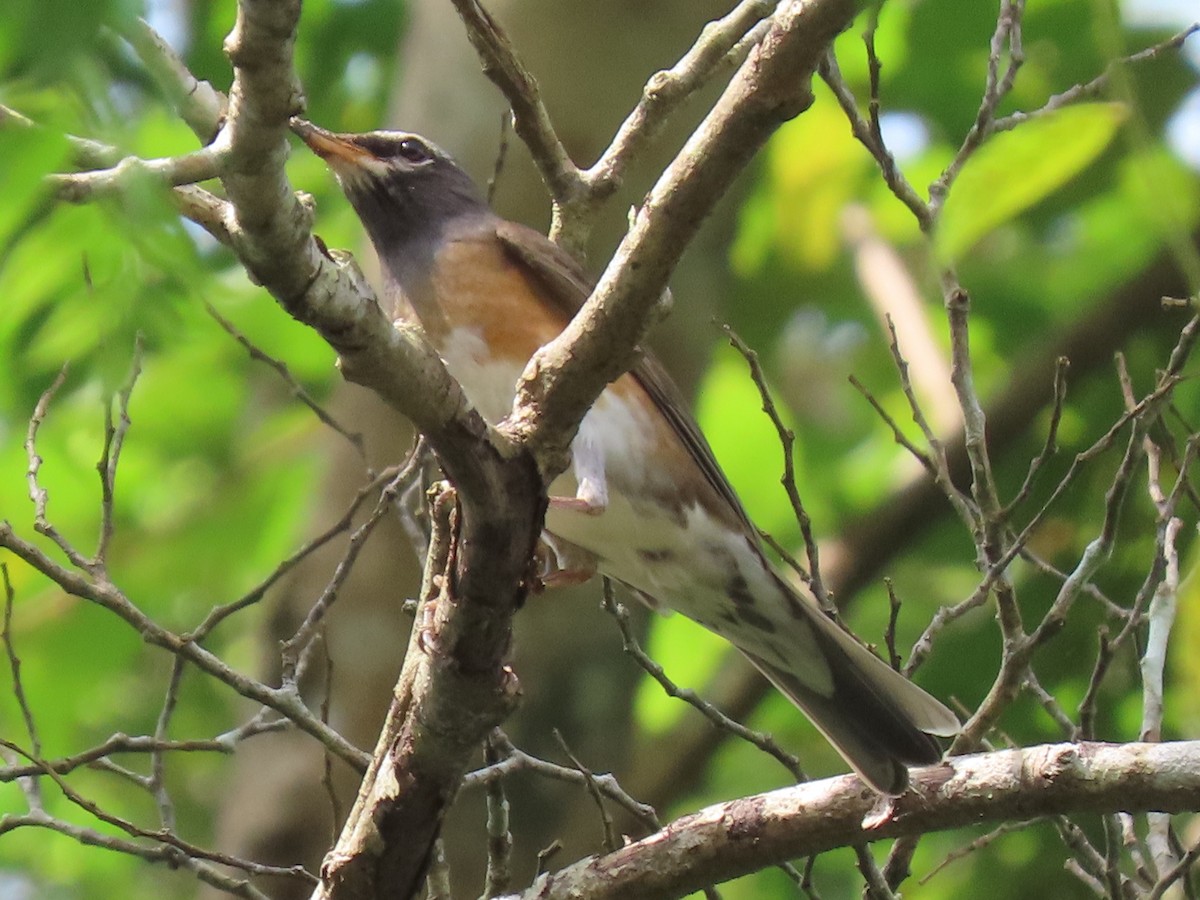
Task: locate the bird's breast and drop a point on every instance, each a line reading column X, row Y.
column 488, row 378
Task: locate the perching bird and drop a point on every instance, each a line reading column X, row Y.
column 644, row 498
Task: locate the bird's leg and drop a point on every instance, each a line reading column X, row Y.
column 591, row 495
column 559, row 563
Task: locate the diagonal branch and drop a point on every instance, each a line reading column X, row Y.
column 771, row 87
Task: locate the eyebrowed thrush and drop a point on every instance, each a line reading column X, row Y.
column 644, row 496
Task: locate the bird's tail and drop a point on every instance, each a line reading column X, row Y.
column 877, row 719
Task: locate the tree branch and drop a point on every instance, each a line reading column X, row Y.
column 741, row 836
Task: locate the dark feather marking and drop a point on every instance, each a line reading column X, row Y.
column 656, row 556
column 744, row 602
column 795, row 605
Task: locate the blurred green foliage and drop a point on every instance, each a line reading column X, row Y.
column 215, row 484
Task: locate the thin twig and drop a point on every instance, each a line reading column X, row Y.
column 868, row 135
column 157, row 782
column 1006, row 42
column 255, row 594
column 1179, row 871
column 631, row 646
column 331, row 792
column 286, row 701
column 1096, row 86
column 787, row 441
column 291, row 648
column 37, row 493
column 298, row 390
column 979, row 843
column 1088, row 861
column 1050, row 447
column 437, row 882
column 1087, row 706
column 513, row 759
column 30, row 786
column 889, row 633
column 875, row 887
column 110, row 456
column 499, row 835
column 195, row 855
column 967, row 511
column 531, row 121
column 898, row 434
column 493, row 182
column 1050, row 703
column 611, row 839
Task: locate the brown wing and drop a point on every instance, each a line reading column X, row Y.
column 567, row 286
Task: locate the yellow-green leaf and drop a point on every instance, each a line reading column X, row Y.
column 1015, row 169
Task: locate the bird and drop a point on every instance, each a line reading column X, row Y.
column 643, row 500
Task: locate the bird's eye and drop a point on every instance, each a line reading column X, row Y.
column 413, row 150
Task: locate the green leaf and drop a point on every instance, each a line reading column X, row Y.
column 1016, row 169
column 27, row 155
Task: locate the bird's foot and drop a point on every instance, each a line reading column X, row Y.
column 578, row 504
column 558, row 564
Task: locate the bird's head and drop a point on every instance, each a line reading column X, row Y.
column 406, row 190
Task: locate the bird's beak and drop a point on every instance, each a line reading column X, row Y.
column 333, row 148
